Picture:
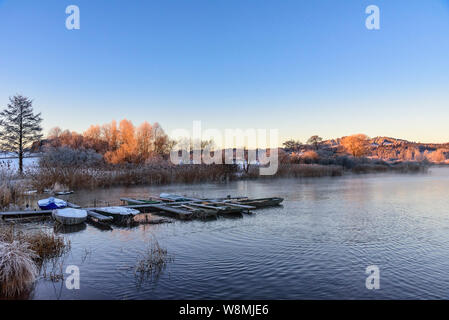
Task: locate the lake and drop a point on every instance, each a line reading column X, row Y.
column 316, row 246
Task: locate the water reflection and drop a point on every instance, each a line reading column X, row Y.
column 316, row 246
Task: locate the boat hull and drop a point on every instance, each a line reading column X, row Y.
column 52, row 204
column 262, row 203
column 69, row 216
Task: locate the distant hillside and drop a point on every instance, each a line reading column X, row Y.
column 387, row 148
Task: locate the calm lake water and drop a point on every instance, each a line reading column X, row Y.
column 317, row 246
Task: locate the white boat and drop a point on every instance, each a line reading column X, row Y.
column 69, row 216
column 117, row 211
column 63, row 193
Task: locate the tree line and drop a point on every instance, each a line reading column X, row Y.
column 117, row 142
column 123, row 142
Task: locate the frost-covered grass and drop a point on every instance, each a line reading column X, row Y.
column 11, row 188
column 12, row 185
column 46, row 245
column 18, row 269
column 116, row 175
column 22, row 253
column 10, row 161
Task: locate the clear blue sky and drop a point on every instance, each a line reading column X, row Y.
column 304, row 67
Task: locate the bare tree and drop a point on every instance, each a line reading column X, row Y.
column 19, row 127
column 314, row 140
column 291, row 144
column 162, row 144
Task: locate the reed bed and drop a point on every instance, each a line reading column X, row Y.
column 152, row 262
column 127, row 175
column 11, row 189
column 401, row 167
column 292, row 170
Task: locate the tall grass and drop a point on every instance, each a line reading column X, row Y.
column 22, row 253
column 402, row 167
column 18, row 269
column 293, row 170
column 46, row 245
column 11, row 189
column 46, row 177
column 127, row 175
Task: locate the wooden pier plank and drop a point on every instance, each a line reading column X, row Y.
column 99, row 217
column 234, row 205
column 170, row 209
column 26, row 213
column 72, row 205
column 129, row 200
column 162, row 207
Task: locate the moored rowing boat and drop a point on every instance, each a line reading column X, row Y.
column 69, row 216
column 51, row 204
column 260, row 203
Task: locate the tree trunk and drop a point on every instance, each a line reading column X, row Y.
column 20, row 162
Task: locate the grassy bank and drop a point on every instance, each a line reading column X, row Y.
column 22, row 254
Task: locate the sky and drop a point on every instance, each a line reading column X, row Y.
column 302, row 67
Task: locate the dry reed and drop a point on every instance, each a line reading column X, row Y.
column 22, row 253
column 152, row 262
column 18, row 269
column 293, row 170
column 11, row 189
column 46, row 245
column 127, row 175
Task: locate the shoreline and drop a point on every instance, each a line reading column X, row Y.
column 16, row 190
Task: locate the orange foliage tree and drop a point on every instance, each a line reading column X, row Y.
column 356, row 144
column 144, row 138
column 119, row 144
column 127, row 144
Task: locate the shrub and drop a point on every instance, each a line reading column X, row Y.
column 68, row 157
column 309, row 156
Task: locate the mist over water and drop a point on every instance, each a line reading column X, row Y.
column 316, row 246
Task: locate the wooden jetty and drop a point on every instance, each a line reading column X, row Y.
column 258, row 203
column 98, row 220
column 192, row 208
column 132, row 201
column 221, row 206
column 25, row 213
column 186, row 209
column 99, row 217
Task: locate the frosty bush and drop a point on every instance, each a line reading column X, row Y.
column 68, row 157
